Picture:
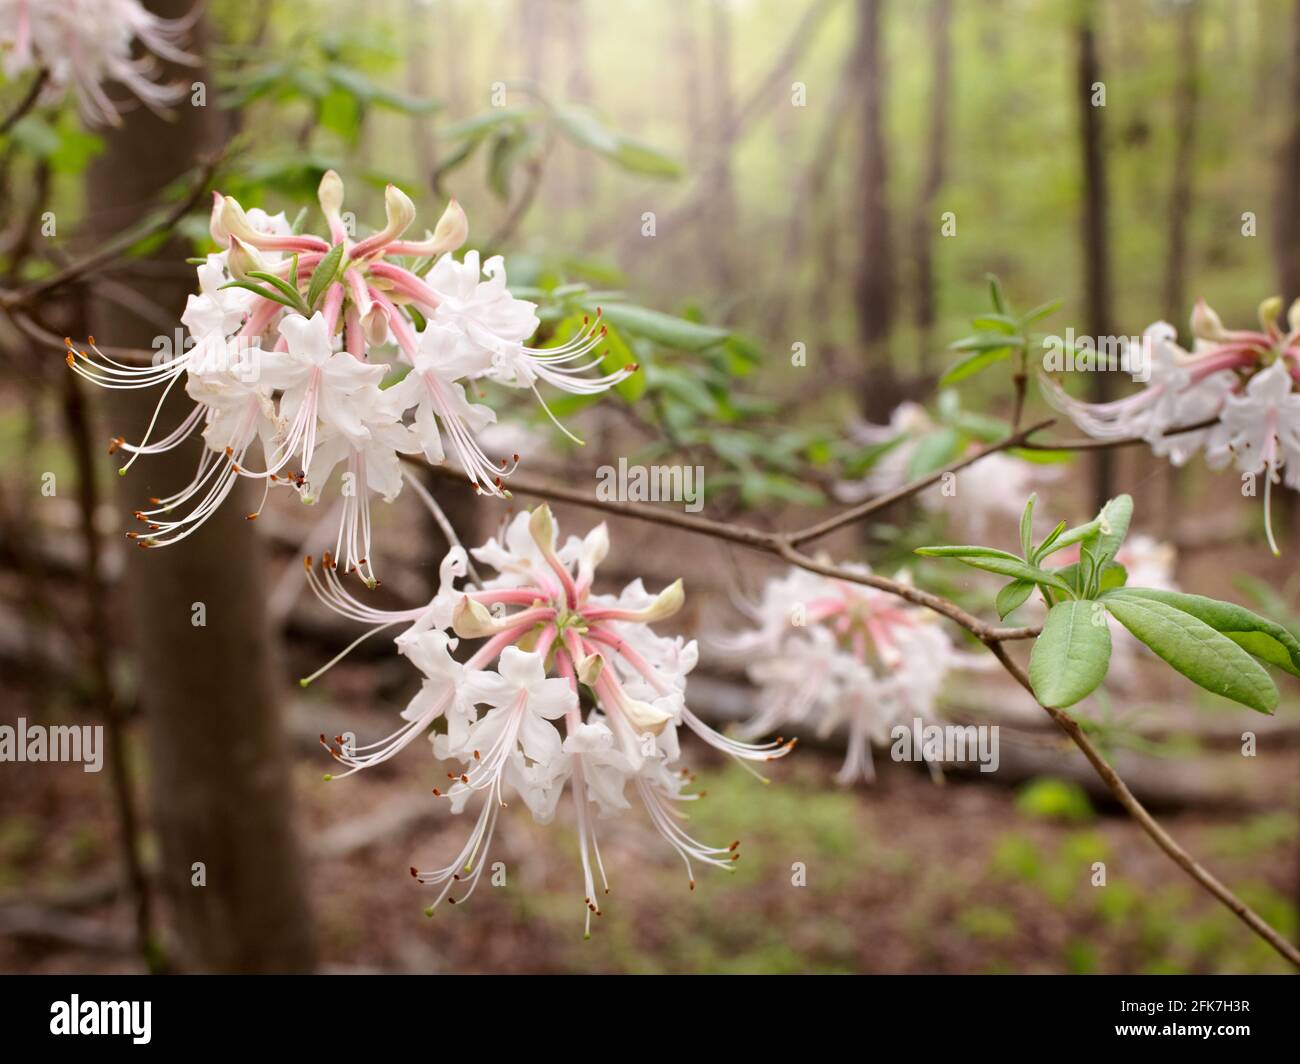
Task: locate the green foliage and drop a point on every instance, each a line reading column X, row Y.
column 1216, row 645
column 999, row 335
column 1049, row 798
column 519, row 136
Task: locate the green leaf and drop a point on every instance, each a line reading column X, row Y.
column 638, row 158
column 1113, row 577
column 1258, row 635
column 1013, row 596
column 1072, row 655
column 1113, row 523
column 665, row 329
column 997, row 323
column 265, row 293
column 981, row 342
column 995, row 294
column 481, row 125
column 965, row 551
column 290, row 292
column 1043, row 310
column 972, row 364
column 933, row 451
column 1027, row 527
column 1000, row 562
column 323, row 276
column 582, row 127
column 1206, row 657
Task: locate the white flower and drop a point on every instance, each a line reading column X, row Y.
column 550, row 637
column 827, row 654
column 1240, row 381
column 86, row 43
column 304, row 371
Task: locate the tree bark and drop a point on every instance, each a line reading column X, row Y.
column 924, row 223
column 219, row 772
column 1287, row 232
column 874, row 284
column 718, row 232
column 1093, row 219
column 1180, row 193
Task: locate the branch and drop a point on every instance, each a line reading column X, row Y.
column 865, row 509
column 782, row 546
column 1147, row 822
column 785, row 546
column 115, row 247
column 28, row 102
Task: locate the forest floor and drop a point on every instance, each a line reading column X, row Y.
column 901, row 876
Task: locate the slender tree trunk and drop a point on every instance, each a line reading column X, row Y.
column 718, row 232
column 1095, row 237
column 1180, row 209
column 1287, row 232
column 218, row 767
column 874, row 286
column 925, row 222
column 1180, row 193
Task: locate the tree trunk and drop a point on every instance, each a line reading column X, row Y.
column 1180, row 193
column 1180, row 209
column 874, row 287
column 718, row 230
column 925, row 222
column 1095, row 240
column 218, row 768
column 1287, row 232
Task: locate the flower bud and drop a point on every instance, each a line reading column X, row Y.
column 1269, row 309
column 1206, row 324
column 589, row 669
column 330, row 194
column 541, row 525
column 666, row 603
column 473, row 620
column 241, row 259
column 451, row 231
column 219, row 235
column 399, row 210
column 374, row 323
column 644, row 716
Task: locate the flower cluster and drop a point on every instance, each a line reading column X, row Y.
column 550, row 647
column 86, row 43
column 278, row 354
column 828, row 653
column 1238, row 386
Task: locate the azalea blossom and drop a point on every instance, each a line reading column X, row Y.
column 829, row 653
column 1238, row 386
column 86, row 43
column 990, row 490
column 512, row 714
column 278, row 353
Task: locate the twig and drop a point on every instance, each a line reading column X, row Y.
column 10, row 300
column 781, row 545
column 1148, row 823
column 864, row 509
column 28, row 102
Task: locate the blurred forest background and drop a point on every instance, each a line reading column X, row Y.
column 770, row 174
